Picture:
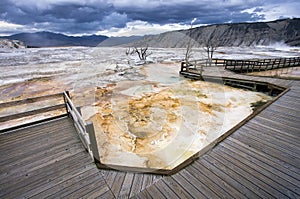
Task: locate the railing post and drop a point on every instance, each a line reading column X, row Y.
column 66, row 93
column 94, row 147
column 78, row 108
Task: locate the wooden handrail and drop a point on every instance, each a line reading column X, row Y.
column 85, row 130
column 257, row 64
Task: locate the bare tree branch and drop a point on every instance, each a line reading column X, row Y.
column 142, row 53
column 210, row 45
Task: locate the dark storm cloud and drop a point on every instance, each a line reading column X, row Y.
column 184, row 12
column 90, row 16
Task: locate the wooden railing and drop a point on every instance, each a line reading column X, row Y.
column 240, row 66
column 62, row 103
column 254, row 65
column 84, row 129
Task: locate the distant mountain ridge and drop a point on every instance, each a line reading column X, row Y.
column 235, row 34
column 49, row 39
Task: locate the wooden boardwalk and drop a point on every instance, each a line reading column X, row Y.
column 259, row 160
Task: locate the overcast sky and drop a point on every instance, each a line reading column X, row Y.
column 134, row 17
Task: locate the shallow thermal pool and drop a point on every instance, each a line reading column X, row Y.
column 160, row 122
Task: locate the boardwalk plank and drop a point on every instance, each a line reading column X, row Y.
column 198, row 184
column 217, row 180
column 107, row 195
column 283, row 136
column 268, row 159
column 34, row 165
column 58, row 163
column 185, row 184
column 154, row 192
column 209, row 181
column 268, row 148
column 127, row 184
column 90, row 183
column 118, row 182
column 285, row 181
column 271, row 141
column 177, row 188
column 165, row 189
column 292, row 132
column 230, row 176
column 136, row 184
column 66, row 146
column 60, row 188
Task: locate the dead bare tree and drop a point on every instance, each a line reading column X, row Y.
column 129, row 51
column 210, row 44
column 210, row 48
column 188, row 51
column 143, row 53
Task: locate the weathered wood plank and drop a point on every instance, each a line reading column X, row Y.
column 27, row 149
column 272, row 142
column 144, row 194
column 165, row 189
column 107, row 195
column 287, row 184
column 274, row 124
column 154, row 192
column 147, row 180
column 228, row 175
column 110, row 177
column 281, row 165
column 33, row 131
column 34, row 164
column 187, row 186
column 136, row 184
column 268, row 148
column 53, row 166
column 60, row 183
column 90, row 183
column 118, row 182
column 35, row 179
column 97, row 192
column 280, row 119
column 261, row 176
column 76, row 185
column 198, row 184
column 126, row 186
column 176, row 187
column 217, row 180
column 208, row 179
column 283, row 137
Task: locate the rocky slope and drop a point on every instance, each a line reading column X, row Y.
column 7, row 43
column 116, row 41
column 237, row 34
